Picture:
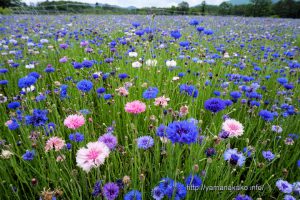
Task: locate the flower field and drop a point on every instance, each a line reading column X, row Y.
column 149, row 107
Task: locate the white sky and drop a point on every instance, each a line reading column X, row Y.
column 140, row 3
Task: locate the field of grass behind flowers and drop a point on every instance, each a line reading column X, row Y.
column 149, row 107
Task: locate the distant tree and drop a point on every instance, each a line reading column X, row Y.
column 286, row 8
column 10, row 3
column 173, row 10
column 96, row 4
column 225, row 8
column 203, row 7
column 183, row 6
column 261, row 8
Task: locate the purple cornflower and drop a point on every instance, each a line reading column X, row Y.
column 110, row 191
column 97, row 189
column 284, row 186
column 268, row 155
column 109, row 139
column 145, row 142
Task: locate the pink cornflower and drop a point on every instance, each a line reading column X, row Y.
column 135, row 107
column 92, row 156
column 161, row 101
column 233, row 127
column 74, row 121
column 8, row 122
column 54, row 143
column 122, row 91
column 184, row 110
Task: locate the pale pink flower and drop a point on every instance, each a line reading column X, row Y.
column 93, row 156
column 135, row 107
column 122, row 91
column 175, row 78
column 60, row 158
column 161, row 101
column 184, row 110
column 233, row 127
column 8, row 122
column 54, row 143
column 74, row 121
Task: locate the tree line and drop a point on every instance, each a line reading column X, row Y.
column 255, row 8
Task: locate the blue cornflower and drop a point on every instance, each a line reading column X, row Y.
column 133, row 195
column 38, row 118
column 254, row 103
column 210, row 152
column 77, row 65
column 85, row 111
column 14, row 105
column 228, row 102
column 214, row 105
column 145, row 142
column 266, row 115
column 235, row 95
column 107, row 96
column 289, row 197
column 189, row 90
column 193, row 180
column 208, row 32
column 13, row 125
column 157, row 193
column 40, row 97
column 76, row 137
column 268, row 155
column 51, row 127
column 161, row 130
column 135, row 24
column 3, row 82
column 123, row 76
column 69, row 146
column 184, row 43
column 26, row 81
column 87, row 63
column 97, row 189
column 298, row 163
column 63, row 91
column 3, row 70
column 182, row 132
column 49, row 69
column 150, row 93
column 100, row 90
column 242, row 197
column 217, row 93
column 200, row 28
column 284, row 186
column 289, row 86
column 282, row 80
column 194, row 22
column 140, row 32
column 296, row 188
column 175, row 34
column 178, row 190
column 84, row 85
column 248, row 152
column 166, row 185
column 34, row 74
column 29, row 155
column 234, row 157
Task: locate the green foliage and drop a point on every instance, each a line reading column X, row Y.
column 256, row 8
column 225, row 8
column 5, row 11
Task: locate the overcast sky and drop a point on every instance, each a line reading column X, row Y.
column 141, row 3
